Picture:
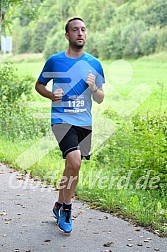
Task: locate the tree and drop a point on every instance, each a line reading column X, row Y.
column 25, row 40
column 125, row 27
column 92, row 7
column 55, row 44
column 40, row 36
column 156, row 13
column 148, row 42
column 131, row 36
column 8, row 10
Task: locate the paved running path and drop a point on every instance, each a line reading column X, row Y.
column 26, row 223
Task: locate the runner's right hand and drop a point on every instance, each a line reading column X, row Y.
column 58, row 94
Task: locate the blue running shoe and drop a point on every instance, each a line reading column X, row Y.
column 65, row 221
column 56, row 212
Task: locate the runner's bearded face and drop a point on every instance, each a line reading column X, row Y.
column 76, row 34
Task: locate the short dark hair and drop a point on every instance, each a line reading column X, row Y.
column 72, row 19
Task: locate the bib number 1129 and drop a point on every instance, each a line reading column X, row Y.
column 76, row 104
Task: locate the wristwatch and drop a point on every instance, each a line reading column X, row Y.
column 94, row 91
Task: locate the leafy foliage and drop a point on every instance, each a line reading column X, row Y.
column 139, row 147
column 162, row 39
column 8, row 8
column 127, row 29
column 55, row 45
column 25, row 43
column 16, row 120
column 40, row 34
column 156, row 13
column 148, row 42
column 12, row 88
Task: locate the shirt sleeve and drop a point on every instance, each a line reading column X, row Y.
column 100, row 79
column 44, row 77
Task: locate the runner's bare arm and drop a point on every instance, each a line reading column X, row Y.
column 54, row 96
column 98, row 95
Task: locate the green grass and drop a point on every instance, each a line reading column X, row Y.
column 33, row 68
column 147, row 75
column 141, row 95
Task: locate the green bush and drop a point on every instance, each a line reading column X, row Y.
column 130, row 37
column 12, row 87
column 150, row 141
column 148, row 42
column 162, row 39
column 91, row 44
column 109, row 44
column 138, row 146
column 17, row 120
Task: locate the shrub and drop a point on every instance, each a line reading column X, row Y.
column 139, row 146
column 16, row 119
column 109, row 44
column 130, row 37
column 162, row 39
column 148, row 42
column 12, row 87
column 91, row 44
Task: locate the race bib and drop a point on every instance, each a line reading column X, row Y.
column 75, row 104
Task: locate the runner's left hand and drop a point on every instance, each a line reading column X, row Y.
column 90, row 80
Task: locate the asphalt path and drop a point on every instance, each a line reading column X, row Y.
column 27, row 225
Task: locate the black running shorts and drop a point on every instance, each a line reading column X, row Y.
column 72, row 138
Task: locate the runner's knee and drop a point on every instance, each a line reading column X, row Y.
column 73, row 162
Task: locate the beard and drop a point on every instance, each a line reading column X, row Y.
column 77, row 45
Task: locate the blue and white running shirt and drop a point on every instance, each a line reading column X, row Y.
column 70, row 74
